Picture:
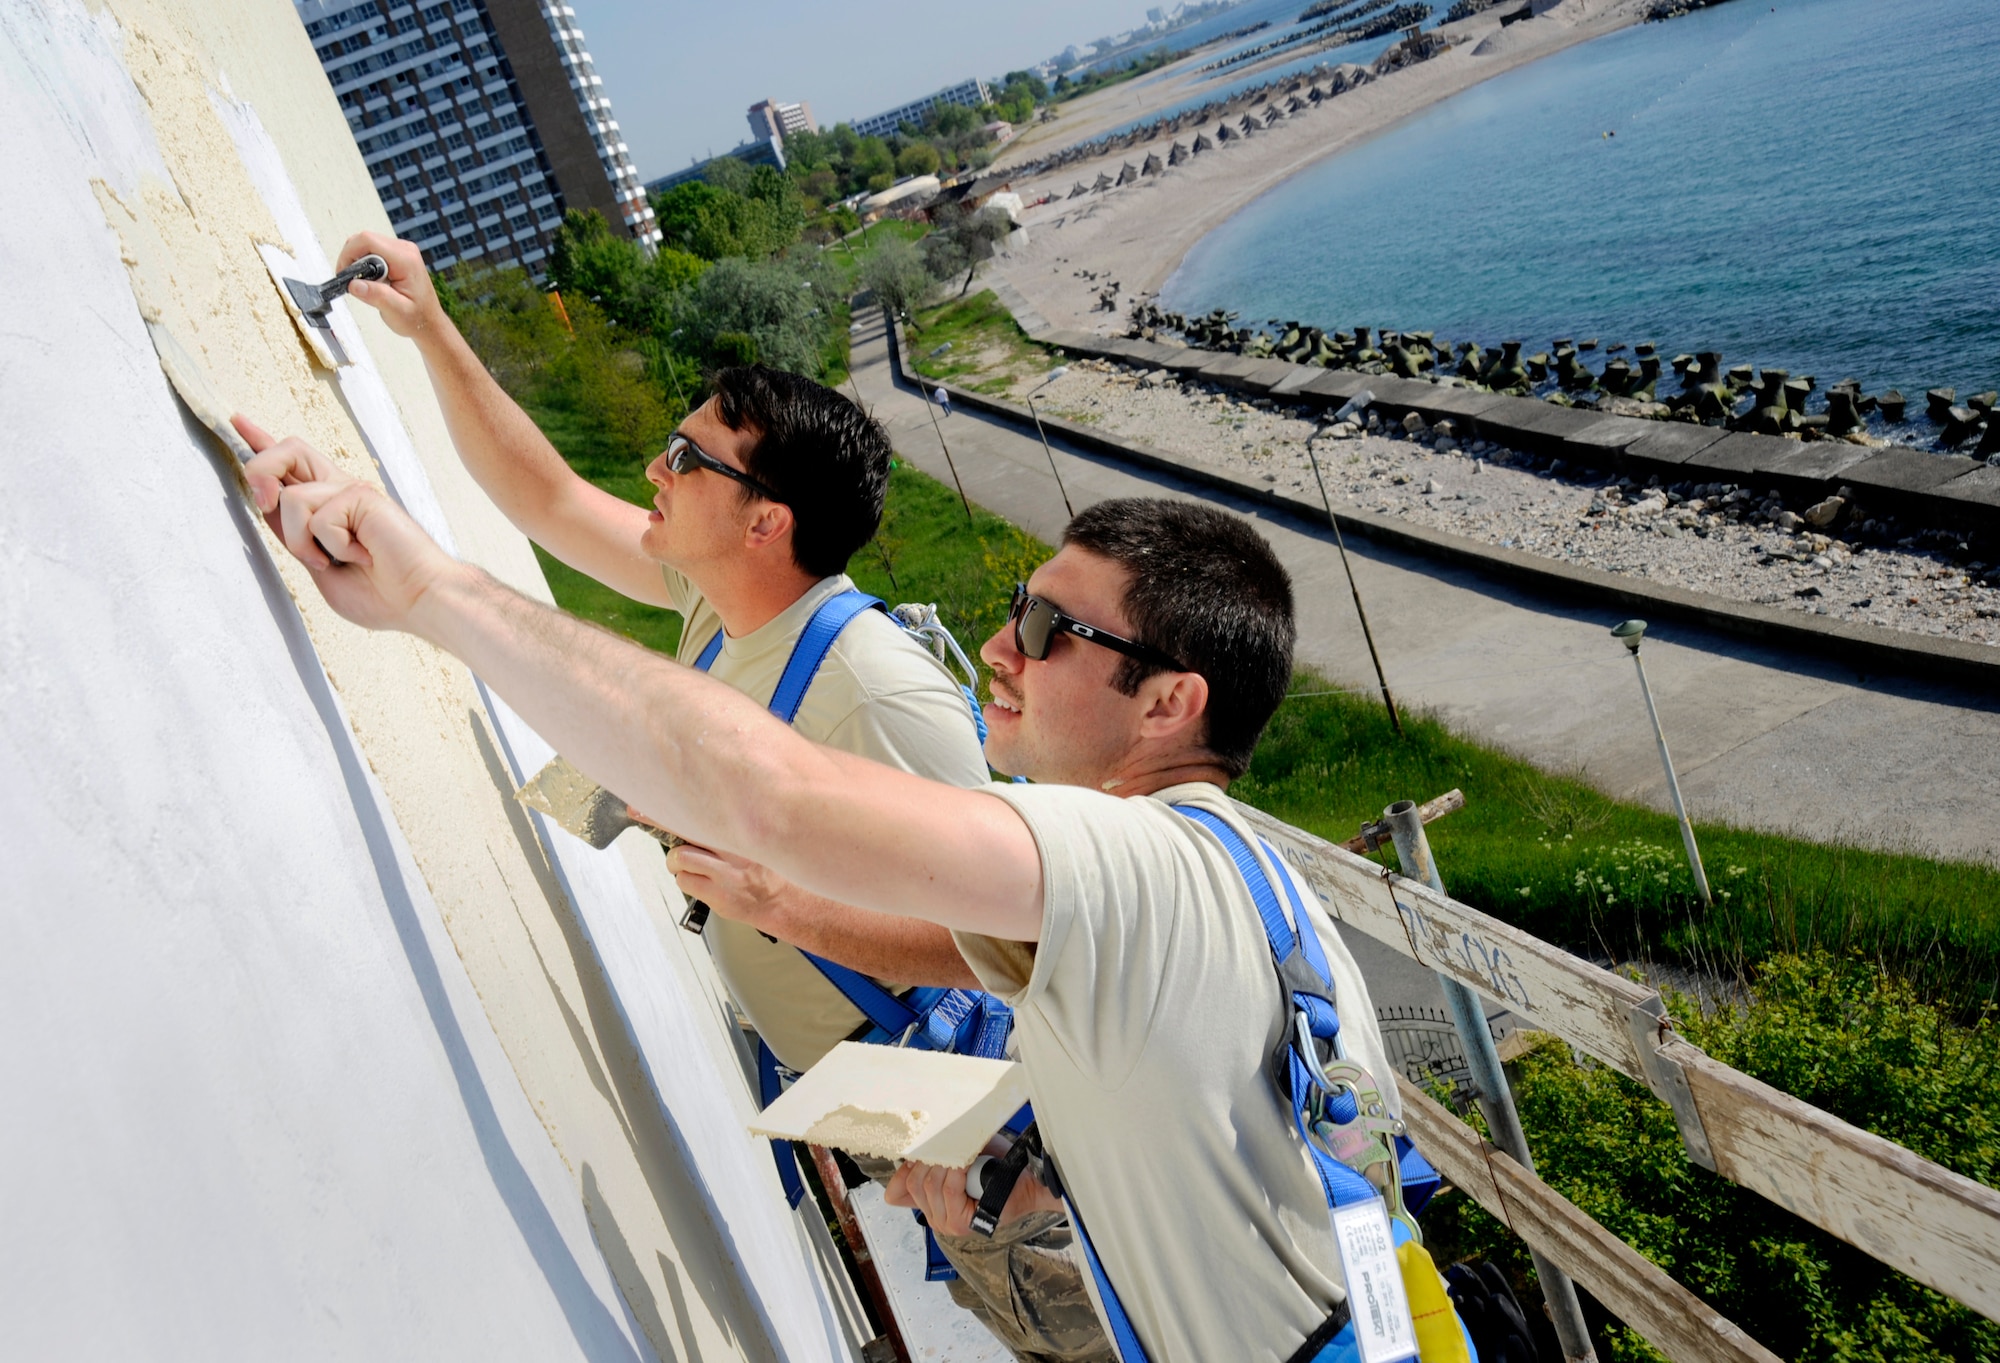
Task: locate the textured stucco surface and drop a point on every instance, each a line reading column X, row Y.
column 333, row 1040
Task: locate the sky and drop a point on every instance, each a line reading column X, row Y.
column 682, row 76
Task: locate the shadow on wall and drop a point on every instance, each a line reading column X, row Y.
column 618, row 1073
column 597, row 1332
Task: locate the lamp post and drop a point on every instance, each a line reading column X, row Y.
column 1630, row 634
column 930, row 405
column 1053, row 375
column 1367, row 634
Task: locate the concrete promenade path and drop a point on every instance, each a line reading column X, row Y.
column 1761, row 737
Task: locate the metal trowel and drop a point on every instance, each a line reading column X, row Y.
column 316, row 300
column 311, row 305
column 589, row 811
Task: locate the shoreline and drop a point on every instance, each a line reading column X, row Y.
column 1137, row 235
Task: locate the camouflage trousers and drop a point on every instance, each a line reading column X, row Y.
column 1025, row 1287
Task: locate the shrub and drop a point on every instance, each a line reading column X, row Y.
column 1835, row 1032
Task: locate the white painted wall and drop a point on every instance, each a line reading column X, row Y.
column 311, row 1044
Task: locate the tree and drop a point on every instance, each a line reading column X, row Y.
column 733, row 210
column 871, row 158
column 772, row 303
column 895, row 271
column 919, row 158
column 953, row 119
column 589, row 260
column 963, row 239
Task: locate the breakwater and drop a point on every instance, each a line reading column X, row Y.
column 1802, row 188
column 1240, row 113
column 1702, row 391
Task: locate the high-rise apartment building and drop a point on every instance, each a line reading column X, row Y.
column 481, row 120
column 769, row 119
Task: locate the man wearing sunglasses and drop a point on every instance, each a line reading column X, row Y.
column 1103, row 902
column 760, row 497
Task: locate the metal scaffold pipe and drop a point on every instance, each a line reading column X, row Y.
column 1495, row 1096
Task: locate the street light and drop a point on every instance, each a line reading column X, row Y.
column 1360, row 402
column 1053, row 375
column 930, row 405
column 1630, row 634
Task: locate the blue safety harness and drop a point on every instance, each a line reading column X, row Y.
column 1312, row 1020
column 960, row 1021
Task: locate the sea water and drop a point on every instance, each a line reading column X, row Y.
column 1814, row 185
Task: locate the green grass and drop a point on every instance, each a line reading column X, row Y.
column 1538, row 849
column 974, row 327
column 927, row 552
column 587, row 597
column 1570, row 865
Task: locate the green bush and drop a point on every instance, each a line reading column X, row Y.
column 1836, row 1032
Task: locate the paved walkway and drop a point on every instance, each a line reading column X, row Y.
column 1761, row 737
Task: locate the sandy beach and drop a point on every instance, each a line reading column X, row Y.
column 1136, row 234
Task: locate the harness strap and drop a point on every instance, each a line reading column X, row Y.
column 769, row 1085
column 1308, row 994
column 1307, row 982
column 935, row 1019
column 1124, row 1338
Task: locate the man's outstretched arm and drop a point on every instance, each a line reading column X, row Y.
column 889, row 948
column 698, row 756
column 506, row 453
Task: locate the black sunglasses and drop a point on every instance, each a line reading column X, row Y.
column 1037, row 623
column 684, row 456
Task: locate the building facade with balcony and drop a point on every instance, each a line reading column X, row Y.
column 482, row 121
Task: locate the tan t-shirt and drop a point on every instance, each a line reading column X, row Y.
column 879, row 694
column 1147, row 1017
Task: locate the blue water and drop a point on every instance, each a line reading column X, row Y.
column 1361, row 53
column 1279, row 14
column 1815, row 186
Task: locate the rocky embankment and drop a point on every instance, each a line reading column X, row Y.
column 1711, row 537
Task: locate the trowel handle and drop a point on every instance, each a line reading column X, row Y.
column 368, row 267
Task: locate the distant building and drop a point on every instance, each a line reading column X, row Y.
column 780, row 120
column 768, row 151
column 1000, row 130
column 972, row 94
column 482, row 121
column 1071, row 55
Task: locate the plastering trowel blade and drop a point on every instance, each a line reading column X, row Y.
column 323, row 341
column 581, row 806
column 190, row 380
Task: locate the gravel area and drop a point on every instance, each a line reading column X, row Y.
column 1716, row 538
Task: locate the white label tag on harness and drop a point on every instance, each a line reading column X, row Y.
column 1376, row 1304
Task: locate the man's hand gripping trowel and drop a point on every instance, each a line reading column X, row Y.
column 594, row 814
column 314, row 302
